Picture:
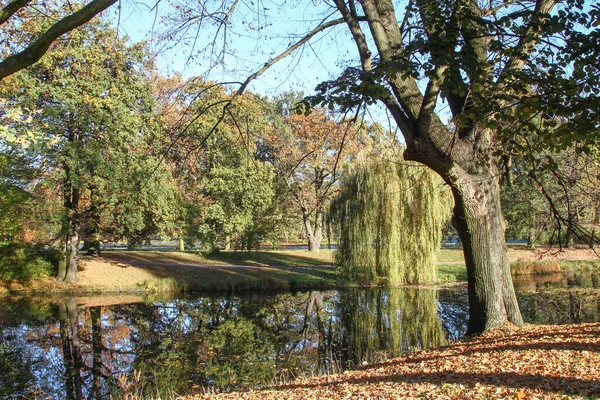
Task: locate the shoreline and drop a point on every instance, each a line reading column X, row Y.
column 528, row 362
column 147, row 272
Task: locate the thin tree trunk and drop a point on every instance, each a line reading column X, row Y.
column 71, row 276
column 93, row 240
column 531, row 239
column 227, row 242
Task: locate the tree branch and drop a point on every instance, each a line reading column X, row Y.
column 35, row 51
column 528, row 40
column 287, row 52
column 12, row 8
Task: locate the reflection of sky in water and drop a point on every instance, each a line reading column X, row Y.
column 183, row 342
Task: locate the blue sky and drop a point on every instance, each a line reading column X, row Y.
column 250, row 46
column 256, row 37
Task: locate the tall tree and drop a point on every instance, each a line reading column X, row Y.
column 90, row 108
column 225, row 186
column 309, row 152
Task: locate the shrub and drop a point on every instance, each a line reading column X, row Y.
column 27, row 262
column 535, row 268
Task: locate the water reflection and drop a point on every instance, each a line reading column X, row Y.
column 77, row 349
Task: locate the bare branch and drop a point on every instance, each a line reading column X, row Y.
column 287, row 52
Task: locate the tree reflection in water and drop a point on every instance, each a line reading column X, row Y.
column 158, row 347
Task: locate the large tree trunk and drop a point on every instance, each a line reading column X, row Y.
column 464, row 156
column 480, row 224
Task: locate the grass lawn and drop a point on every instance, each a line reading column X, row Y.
column 262, row 258
column 171, row 271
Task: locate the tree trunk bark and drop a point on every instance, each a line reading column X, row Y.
column 62, row 262
column 314, row 237
column 227, row 243
column 569, row 238
column 480, row 224
column 531, row 239
column 71, row 276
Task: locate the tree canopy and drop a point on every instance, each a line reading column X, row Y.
column 466, row 83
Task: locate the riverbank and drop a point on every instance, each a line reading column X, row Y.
column 169, row 271
column 529, row 362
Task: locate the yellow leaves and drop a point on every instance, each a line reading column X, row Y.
column 520, row 395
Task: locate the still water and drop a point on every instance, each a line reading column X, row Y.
column 102, row 346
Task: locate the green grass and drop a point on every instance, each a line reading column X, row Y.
column 273, row 258
column 452, row 272
column 260, row 258
column 450, row 256
column 241, row 271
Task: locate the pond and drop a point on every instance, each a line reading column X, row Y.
column 101, row 346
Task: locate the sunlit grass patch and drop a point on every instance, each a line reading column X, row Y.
column 450, row 255
column 452, row 272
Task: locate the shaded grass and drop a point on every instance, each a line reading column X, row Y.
column 261, row 258
column 232, row 270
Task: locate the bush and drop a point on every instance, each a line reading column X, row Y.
column 27, row 262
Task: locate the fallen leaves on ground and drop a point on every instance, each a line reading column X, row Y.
column 529, row 362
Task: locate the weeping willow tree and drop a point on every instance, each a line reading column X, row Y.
column 390, row 217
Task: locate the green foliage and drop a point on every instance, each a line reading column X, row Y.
column 86, row 124
column 390, row 216
column 525, row 210
column 226, row 189
column 26, row 262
